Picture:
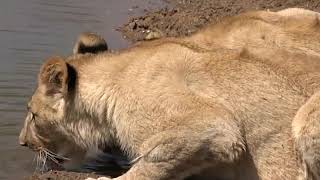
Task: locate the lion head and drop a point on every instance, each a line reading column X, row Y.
column 42, row 130
column 51, row 126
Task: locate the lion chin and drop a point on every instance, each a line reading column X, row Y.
column 236, row 100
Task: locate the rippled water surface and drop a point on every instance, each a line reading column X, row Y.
column 33, row 30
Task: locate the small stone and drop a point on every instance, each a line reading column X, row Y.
column 153, row 35
column 133, row 25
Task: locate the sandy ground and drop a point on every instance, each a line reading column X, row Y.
column 61, row 175
column 182, row 18
column 187, row 16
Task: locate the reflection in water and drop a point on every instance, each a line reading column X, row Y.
column 30, row 32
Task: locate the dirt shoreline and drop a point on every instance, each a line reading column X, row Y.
column 183, row 18
column 187, row 16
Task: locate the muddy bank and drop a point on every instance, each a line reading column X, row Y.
column 187, row 16
column 182, row 18
column 61, row 175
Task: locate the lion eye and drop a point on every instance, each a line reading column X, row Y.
column 33, row 116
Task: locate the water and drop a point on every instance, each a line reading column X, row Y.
column 33, row 30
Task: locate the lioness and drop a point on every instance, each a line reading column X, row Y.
column 239, row 96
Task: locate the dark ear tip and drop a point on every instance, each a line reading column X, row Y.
column 89, row 42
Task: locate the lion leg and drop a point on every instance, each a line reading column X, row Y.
column 297, row 12
column 179, row 153
column 306, row 132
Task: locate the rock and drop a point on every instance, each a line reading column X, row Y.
column 153, row 35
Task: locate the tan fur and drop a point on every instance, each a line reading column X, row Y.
column 222, row 101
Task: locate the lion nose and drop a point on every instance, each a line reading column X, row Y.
column 23, row 143
column 23, row 139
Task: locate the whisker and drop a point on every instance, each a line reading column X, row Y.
column 44, row 162
column 52, row 156
column 37, row 161
column 54, row 160
column 41, row 160
column 42, row 157
column 39, row 157
column 55, row 155
column 34, row 158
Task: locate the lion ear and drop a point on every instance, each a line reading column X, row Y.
column 54, row 76
column 90, row 43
